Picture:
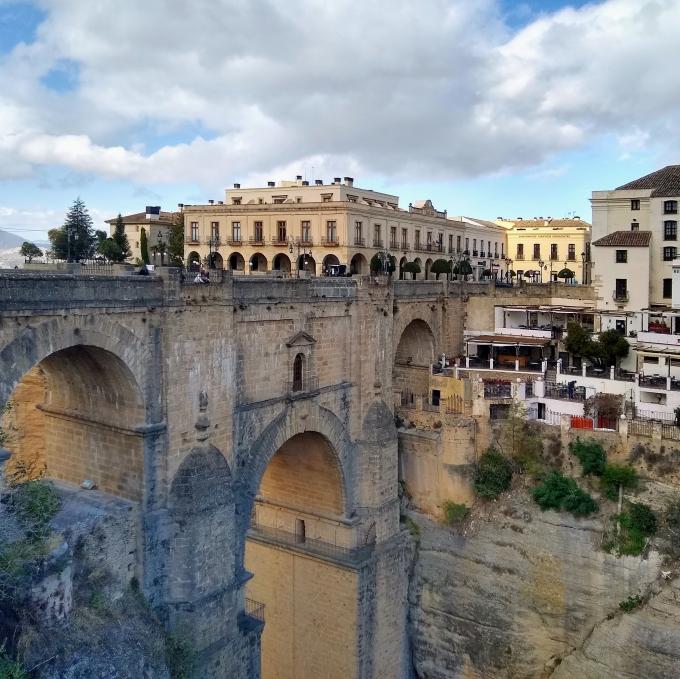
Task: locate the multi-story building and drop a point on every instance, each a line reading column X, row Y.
column 486, row 244
column 648, row 206
column 297, row 226
column 156, row 223
column 541, row 248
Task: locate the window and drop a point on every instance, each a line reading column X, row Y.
column 393, row 236
column 236, row 231
column 553, row 251
column 467, row 246
column 450, row 243
column 669, row 254
column 621, row 290
column 429, row 240
column 621, row 256
column 650, row 360
column 331, row 235
column 667, row 288
column 258, row 232
column 260, row 201
column 298, row 199
column 326, row 197
column 194, row 232
column 488, row 248
column 298, row 372
column 537, row 250
column 520, row 251
column 634, row 226
column 635, row 204
column 358, row 233
column 474, row 247
column 571, row 252
column 306, row 231
column 352, row 199
column 670, row 230
column 495, row 250
column 502, row 250
column 215, row 230
column 404, row 238
column 235, row 201
column 417, row 240
column 278, row 200
column 459, row 240
column 670, row 207
column 377, row 236
column 281, row 231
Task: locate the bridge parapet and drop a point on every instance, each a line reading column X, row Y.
column 406, row 289
column 30, row 291
column 256, row 289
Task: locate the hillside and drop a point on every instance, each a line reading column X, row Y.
column 9, row 240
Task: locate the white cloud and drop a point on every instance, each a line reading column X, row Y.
column 438, row 88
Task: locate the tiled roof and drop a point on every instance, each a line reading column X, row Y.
column 140, row 218
column 664, row 182
column 628, row 239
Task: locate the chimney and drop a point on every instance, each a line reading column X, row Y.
column 298, row 178
column 237, row 186
column 153, row 213
column 212, row 202
column 180, row 205
column 271, row 184
column 305, row 183
column 337, row 180
column 318, row 182
column 220, row 202
column 349, row 181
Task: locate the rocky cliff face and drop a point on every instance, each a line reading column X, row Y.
column 522, row 593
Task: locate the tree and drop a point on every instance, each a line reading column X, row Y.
column 78, row 236
column 609, row 348
column 109, row 249
column 412, row 268
column 464, row 268
column 120, row 238
column 58, row 243
column 578, row 340
column 30, row 250
column 566, row 274
column 176, row 241
column 382, row 262
column 440, row 266
column 144, row 246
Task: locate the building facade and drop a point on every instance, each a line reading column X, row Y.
column 157, row 224
column 648, row 204
column 543, row 247
column 295, row 226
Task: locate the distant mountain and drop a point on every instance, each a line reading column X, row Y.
column 9, row 240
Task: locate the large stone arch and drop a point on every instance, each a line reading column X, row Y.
column 304, row 417
column 415, row 331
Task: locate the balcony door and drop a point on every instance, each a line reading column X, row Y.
column 621, row 288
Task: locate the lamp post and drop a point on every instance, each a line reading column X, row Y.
column 161, row 248
column 508, row 262
column 583, row 268
column 305, row 253
column 541, row 263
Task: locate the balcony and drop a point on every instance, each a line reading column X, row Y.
column 620, row 296
column 330, row 242
column 360, row 242
column 305, row 242
column 257, row 240
column 234, row 242
column 309, row 384
column 482, row 254
column 497, row 389
column 475, row 253
column 571, row 258
column 377, row 242
column 519, row 258
column 394, row 245
column 280, row 242
column 545, row 332
column 565, row 392
column 405, row 246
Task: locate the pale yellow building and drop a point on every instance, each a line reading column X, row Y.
column 298, row 225
column 156, row 223
column 544, row 247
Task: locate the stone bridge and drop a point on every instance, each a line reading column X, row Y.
column 249, row 424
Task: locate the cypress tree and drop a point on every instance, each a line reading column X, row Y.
column 120, row 238
column 144, row 246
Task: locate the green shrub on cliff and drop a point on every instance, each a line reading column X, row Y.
column 615, row 476
column 492, row 475
column 454, row 513
column 560, row 492
column 590, row 454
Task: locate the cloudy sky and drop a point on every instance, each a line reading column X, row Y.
column 489, row 107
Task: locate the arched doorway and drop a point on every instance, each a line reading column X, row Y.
column 78, row 415
column 216, row 261
column 307, row 263
column 236, row 262
column 428, row 268
column 281, row 263
column 358, row 265
column 402, row 261
column 418, row 276
column 413, row 358
column 299, row 516
column 194, row 261
column 258, row 263
column 328, row 261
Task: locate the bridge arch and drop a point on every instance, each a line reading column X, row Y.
column 414, row 353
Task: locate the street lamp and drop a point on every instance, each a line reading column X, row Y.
column 508, row 262
column 305, row 253
column 160, row 248
column 540, row 268
column 583, row 268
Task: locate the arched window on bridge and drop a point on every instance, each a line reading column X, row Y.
column 298, row 372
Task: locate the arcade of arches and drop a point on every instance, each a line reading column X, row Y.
column 311, row 599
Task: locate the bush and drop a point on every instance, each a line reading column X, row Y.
column 180, row 657
column 561, row 492
column 630, row 604
column 455, row 513
column 440, row 266
column 590, row 454
column 670, row 529
column 34, row 504
column 411, row 267
column 492, row 475
column 643, row 518
column 616, row 475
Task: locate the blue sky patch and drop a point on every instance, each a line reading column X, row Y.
column 18, row 23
